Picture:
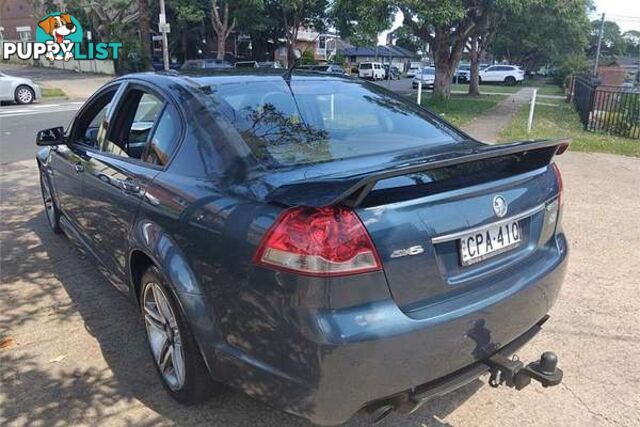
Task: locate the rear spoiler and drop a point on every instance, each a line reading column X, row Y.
column 352, row 190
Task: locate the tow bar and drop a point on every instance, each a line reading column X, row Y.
column 513, row 373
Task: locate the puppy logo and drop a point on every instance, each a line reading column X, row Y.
column 61, row 29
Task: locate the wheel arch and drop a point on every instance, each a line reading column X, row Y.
column 152, row 246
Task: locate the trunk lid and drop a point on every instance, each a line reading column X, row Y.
column 416, row 212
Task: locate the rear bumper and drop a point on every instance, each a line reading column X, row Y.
column 349, row 358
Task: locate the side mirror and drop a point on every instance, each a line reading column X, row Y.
column 51, row 136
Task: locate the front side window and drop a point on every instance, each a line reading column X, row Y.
column 90, row 126
column 317, row 121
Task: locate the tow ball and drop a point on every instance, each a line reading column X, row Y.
column 513, row 373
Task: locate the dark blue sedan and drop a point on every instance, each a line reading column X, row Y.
column 316, row 241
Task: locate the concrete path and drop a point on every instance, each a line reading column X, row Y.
column 487, row 126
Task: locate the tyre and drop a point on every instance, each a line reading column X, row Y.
column 510, row 81
column 171, row 343
column 24, row 95
column 51, row 211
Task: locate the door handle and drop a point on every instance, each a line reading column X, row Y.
column 78, row 167
column 130, row 185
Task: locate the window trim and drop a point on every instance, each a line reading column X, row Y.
column 120, row 94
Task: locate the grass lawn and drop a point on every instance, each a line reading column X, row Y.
column 52, row 92
column 545, row 87
column 487, row 88
column 563, row 121
column 461, row 109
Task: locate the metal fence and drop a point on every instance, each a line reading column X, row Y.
column 611, row 109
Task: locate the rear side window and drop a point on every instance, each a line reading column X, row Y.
column 165, row 138
column 319, row 121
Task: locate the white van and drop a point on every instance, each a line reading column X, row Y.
column 371, row 70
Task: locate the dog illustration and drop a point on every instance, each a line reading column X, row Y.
column 58, row 27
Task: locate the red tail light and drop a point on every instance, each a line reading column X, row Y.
column 556, row 171
column 330, row 241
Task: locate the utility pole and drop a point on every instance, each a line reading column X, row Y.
column 164, row 29
column 597, row 60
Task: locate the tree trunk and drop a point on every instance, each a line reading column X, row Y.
column 221, row 47
column 474, row 58
column 444, row 67
column 145, row 34
column 185, row 45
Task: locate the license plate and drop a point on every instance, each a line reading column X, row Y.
column 493, row 240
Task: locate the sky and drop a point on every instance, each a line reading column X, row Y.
column 626, row 13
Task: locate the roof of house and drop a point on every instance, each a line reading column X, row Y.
column 385, row 51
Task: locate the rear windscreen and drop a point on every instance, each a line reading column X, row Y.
column 365, row 66
column 322, row 120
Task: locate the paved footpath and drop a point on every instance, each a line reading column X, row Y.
column 487, row 126
column 75, row 352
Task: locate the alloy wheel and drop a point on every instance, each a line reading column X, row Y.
column 24, row 95
column 164, row 337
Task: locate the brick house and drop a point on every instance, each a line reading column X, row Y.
column 17, row 20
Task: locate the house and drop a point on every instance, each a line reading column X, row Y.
column 395, row 55
column 324, row 46
column 17, row 20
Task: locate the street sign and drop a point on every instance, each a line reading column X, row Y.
column 164, row 28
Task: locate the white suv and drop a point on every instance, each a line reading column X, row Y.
column 508, row 74
column 371, row 70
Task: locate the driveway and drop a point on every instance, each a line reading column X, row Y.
column 74, row 351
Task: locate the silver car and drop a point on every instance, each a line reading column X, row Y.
column 18, row 89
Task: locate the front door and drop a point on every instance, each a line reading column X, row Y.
column 69, row 161
column 118, row 173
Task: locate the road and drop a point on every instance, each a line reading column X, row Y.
column 20, row 123
column 77, row 353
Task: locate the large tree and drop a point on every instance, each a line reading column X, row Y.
column 224, row 17
column 360, row 21
column 445, row 25
column 543, row 33
column 298, row 14
column 613, row 43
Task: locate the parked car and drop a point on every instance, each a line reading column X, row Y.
column 246, row 64
column 371, row 71
column 463, row 73
column 18, row 89
column 364, row 255
column 427, row 75
column 414, row 67
column 507, row 74
column 158, row 63
column 395, row 72
column 202, row 64
column 270, row 64
column 329, row 69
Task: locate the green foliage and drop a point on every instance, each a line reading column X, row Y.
column 563, row 121
column 307, row 58
column 360, row 21
column 569, row 65
column 631, row 42
column 613, row 44
column 543, row 32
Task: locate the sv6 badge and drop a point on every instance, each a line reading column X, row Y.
column 413, row 250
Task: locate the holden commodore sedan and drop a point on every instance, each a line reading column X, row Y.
column 315, row 241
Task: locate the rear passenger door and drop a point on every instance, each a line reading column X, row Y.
column 143, row 133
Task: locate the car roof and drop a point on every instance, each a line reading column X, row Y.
column 206, row 77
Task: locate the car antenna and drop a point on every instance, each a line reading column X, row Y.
column 287, row 74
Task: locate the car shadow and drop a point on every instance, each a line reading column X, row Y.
column 35, row 262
